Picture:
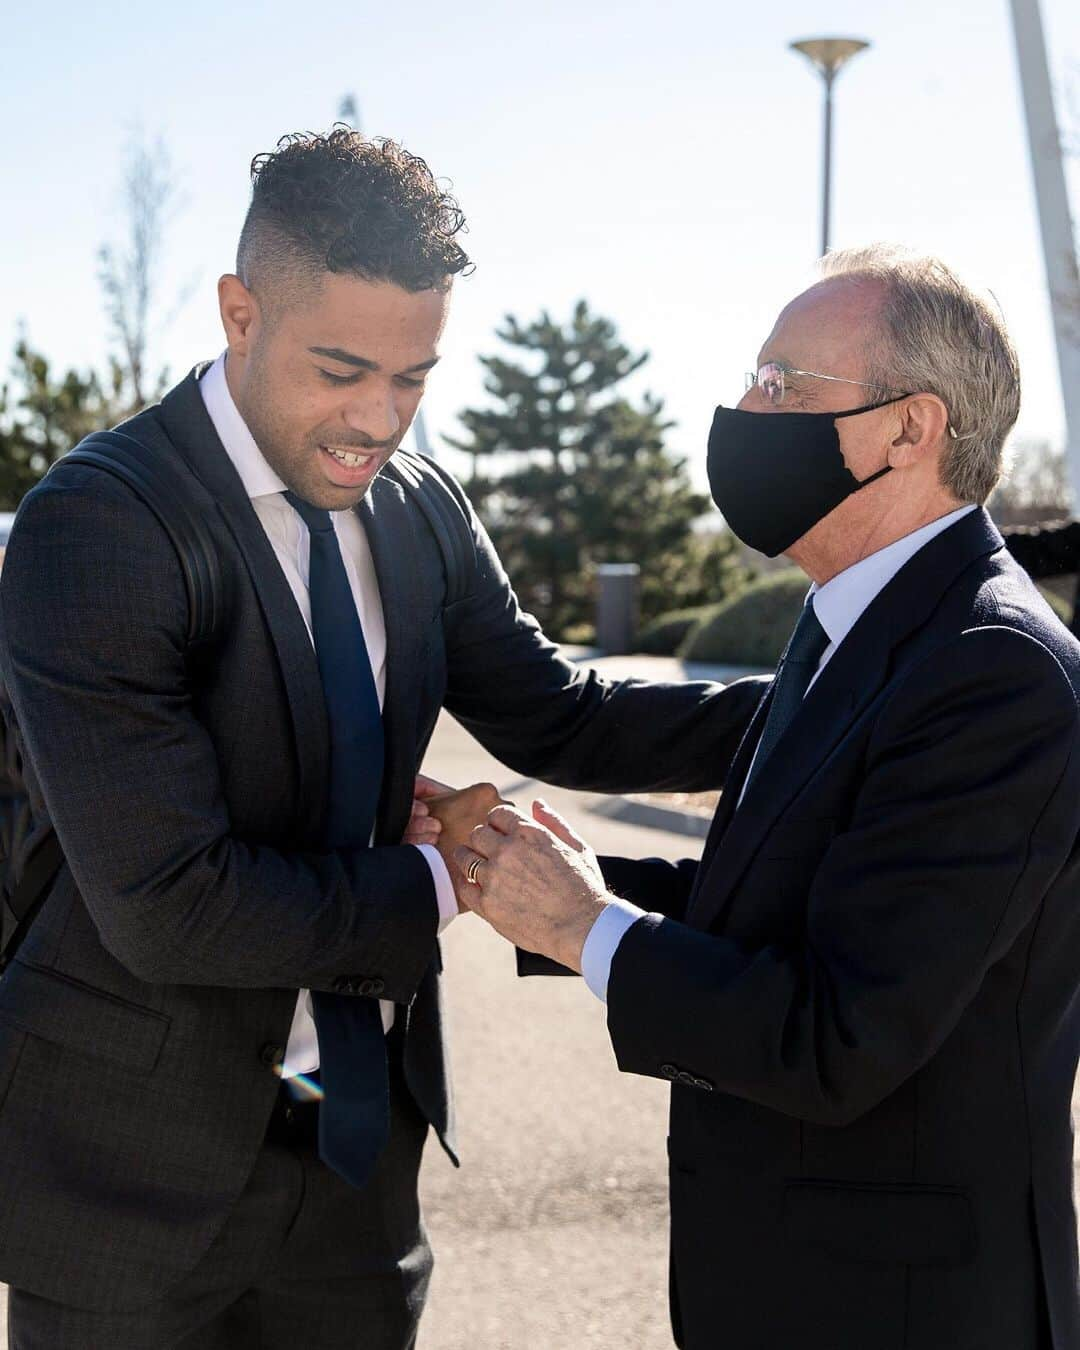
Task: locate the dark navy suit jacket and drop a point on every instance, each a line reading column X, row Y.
column 867, row 994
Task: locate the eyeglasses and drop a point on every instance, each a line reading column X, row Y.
column 770, row 379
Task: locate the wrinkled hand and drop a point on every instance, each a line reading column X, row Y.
column 458, row 814
column 538, row 883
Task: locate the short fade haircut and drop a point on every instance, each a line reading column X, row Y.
column 938, row 336
column 343, row 203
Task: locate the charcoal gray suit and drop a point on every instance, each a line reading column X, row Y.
column 142, row 1021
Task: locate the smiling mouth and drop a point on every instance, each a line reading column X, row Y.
column 352, row 459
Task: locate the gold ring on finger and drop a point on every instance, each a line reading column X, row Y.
column 472, row 870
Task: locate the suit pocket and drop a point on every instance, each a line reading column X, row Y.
column 880, row 1223
column 66, row 1012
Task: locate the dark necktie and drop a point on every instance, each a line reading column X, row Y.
column 797, row 667
column 354, row 1115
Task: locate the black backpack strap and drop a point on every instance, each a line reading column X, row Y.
column 155, row 480
column 445, row 517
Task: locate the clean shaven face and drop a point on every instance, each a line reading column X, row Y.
column 330, row 382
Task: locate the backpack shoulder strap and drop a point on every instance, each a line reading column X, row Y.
column 446, row 518
column 153, row 478
column 146, row 469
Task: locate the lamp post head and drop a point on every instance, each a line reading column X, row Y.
column 829, row 54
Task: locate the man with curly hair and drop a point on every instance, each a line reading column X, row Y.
column 220, row 1042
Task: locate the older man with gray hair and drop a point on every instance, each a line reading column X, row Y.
column 865, row 994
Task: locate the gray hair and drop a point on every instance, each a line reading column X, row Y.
column 938, row 336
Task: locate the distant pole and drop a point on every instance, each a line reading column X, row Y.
column 1055, row 220
column 828, row 56
column 349, row 112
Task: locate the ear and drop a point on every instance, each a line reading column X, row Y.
column 239, row 313
column 924, row 424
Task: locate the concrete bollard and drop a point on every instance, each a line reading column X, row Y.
column 617, row 607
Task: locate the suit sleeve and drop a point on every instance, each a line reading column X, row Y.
column 968, row 810
column 94, row 613
column 561, row 723
column 649, row 883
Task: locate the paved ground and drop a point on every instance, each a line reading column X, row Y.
column 553, row 1234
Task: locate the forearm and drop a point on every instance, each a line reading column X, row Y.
column 240, row 917
column 565, row 724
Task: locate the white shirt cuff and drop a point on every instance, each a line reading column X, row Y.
column 604, row 937
column 444, row 887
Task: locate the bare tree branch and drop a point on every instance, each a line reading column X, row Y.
column 130, row 271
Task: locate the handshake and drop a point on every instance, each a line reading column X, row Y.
column 532, row 878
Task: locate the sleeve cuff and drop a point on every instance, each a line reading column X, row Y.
column 604, row 937
column 444, row 887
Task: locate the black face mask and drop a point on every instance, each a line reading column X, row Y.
column 775, row 475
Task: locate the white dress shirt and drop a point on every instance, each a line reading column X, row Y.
column 291, row 543
column 839, row 604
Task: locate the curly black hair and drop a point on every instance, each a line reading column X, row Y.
column 341, row 202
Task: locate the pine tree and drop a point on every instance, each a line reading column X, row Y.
column 575, row 474
column 42, row 416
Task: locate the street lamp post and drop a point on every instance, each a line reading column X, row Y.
column 349, row 112
column 828, row 56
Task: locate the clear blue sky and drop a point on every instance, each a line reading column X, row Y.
column 661, row 160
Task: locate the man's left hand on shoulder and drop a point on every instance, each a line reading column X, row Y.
column 535, row 881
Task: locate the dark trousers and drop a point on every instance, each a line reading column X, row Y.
column 304, row 1262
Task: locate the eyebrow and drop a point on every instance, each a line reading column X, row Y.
column 362, row 363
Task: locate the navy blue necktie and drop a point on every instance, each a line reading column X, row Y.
column 798, row 664
column 354, row 1117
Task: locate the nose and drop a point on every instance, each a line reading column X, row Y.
column 373, row 412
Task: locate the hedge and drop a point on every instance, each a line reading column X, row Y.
column 752, row 628
column 666, row 634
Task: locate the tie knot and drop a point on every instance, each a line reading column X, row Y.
column 809, row 640
column 314, row 517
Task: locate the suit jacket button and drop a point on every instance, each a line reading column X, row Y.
column 704, row 1084
column 377, row 986
column 669, row 1070
column 342, row 985
column 273, row 1056
column 687, row 1079
column 365, row 987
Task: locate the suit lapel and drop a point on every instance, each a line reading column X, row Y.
column 740, row 767
column 184, row 415
column 848, row 684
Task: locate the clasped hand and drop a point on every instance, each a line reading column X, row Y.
column 537, row 882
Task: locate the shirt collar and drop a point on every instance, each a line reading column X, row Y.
column 841, row 602
column 258, row 478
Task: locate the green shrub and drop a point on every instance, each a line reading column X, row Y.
column 579, row 635
column 665, row 635
column 752, row 628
